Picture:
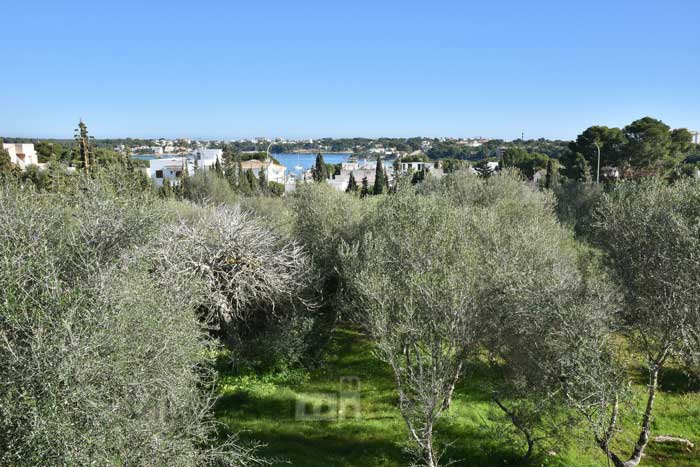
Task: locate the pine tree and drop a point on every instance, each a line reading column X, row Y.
column 365, row 188
column 352, row 185
column 379, row 178
column 320, row 171
column 218, row 169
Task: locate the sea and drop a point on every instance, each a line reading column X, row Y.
column 292, row 161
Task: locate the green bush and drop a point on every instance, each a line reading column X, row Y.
column 207, row 187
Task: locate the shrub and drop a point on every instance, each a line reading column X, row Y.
column 275, row 212
column 257, row 284
column 102, row 360
column 207, row 187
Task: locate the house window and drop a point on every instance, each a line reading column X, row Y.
column 178, row 173
column 159, row 174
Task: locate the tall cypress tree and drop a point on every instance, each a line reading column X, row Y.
column 365, row 188
column 262, row 180
column 231, row 170
column 379, row 177
column 250, row 181
column 82, row 140
column 183, row 188
column 352, row 185
column 236, row 178
column 550, row 179
column 320, row 172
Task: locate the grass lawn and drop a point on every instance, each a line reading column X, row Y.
column 277, row 410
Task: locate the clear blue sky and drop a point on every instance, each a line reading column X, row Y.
column 229, row 69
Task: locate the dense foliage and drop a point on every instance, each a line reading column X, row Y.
column 102, row 359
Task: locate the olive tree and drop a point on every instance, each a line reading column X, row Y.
column 538, row 289
column 412, row 278
column 534, row 288
column 323, row 220
column 651, row 233
column 465, row 264
column 102, row 358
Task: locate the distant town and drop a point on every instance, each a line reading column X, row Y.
column 167, row 159
column 596, row 153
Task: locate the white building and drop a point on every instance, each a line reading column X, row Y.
column 168, row 168
column 696, row 136
column 273, row 172
column 419, row 165
column 490, row 166
column 359, row 170
column 172, row 168
column 21, row 155
column 208, row 157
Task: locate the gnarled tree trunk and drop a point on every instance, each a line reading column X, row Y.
column 643, row 440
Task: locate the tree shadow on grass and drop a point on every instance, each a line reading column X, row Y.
column 250, row 406
column 672, row 379
column 669, row 454
column 479, row 446
column 302, row 449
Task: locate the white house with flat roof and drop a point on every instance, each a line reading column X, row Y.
column 419, row 165
column 172, row 168
column 168, row 168
column 206, row 158
column 21, row 154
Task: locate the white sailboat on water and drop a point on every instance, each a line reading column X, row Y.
column 298, row 167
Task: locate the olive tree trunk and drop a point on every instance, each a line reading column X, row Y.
column 644, row 435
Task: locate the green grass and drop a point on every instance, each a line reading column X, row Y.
column 263, row 408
